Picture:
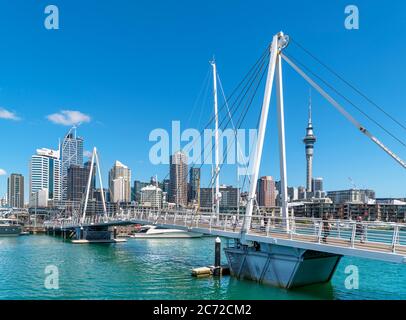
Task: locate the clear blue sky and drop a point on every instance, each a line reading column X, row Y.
column 134, row 66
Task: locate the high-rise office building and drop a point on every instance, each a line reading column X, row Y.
column 45, row 173
column 302, row 193
column 138, row 185
column 165, row 189
column 229, row 197
column 317, row 184
column 78, row 178
column 151, row 196
column 71, row 154
column 15, row 190
column 309, row 141
column 178, row 179
column 266, row 192
column 120, row 183
column 293, row 193
column 194, row 185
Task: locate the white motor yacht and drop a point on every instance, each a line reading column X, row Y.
column 154, row 232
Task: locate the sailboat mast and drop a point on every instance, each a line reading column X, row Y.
column 216, row 140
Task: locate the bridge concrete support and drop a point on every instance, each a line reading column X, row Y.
column 281, row 266
column 98, row 233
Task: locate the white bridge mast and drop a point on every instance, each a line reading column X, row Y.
column 216, row 141
column 279, row 42
column 95, row 160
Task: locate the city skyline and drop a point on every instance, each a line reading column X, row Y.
column 36, row 111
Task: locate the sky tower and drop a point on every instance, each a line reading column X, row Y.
column 309, row 141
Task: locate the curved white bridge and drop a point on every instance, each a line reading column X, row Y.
column 375, row 240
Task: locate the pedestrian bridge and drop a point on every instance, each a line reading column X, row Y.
column 374, row 240
column 280, row 250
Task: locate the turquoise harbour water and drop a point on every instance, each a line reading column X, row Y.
column 160, row 269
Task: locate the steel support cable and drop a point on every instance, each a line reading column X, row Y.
column 202, row 93
column 346, row 99
column 239, row 101
column 247, row 75
column 234, row 111
column 255, row 68
column 237, row 142
column 344, row 112
column 242, row 116
column 239, row 122
column 348, row 84
column 236, row 104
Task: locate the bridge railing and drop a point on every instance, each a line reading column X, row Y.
column 371, row 235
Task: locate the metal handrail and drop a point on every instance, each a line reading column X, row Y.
column 342, row 232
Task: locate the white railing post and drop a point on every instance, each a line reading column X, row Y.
column 292, row 227
column 353, row 233
column 268, row 226
column 319, row 232
column 395, row 238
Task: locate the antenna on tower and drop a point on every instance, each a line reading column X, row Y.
column 310, row 106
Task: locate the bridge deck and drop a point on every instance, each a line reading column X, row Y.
column 381, row 241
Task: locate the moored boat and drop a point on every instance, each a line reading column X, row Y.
column 154, row 232
column 9, row 228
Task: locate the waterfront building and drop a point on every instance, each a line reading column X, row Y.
column 71, row 154
column 166, row 185
column 266, row 192
column 309, row 141
column 302, row 194
column 15, row 190
column 178, row 179
column 3, row 201
column 98, row 195
column 351, row 195
column 120, row 183
column 373, row 211
column 317, row 184
column 194, row 186
column 39, row 199
column 229, row 197
column 151, row 196
column 138, row 185
column 293, row 194
column 45, row 173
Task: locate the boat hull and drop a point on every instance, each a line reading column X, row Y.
column 172, row 235
column 10, row 231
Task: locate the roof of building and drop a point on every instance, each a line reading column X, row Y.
column 120, row 164
column 151, row 188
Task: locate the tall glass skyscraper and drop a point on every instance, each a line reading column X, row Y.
column 120, row 183
column 71, row 154
column 178, row 172
column 15, row 190
column 45, row 173
column 194, row 184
